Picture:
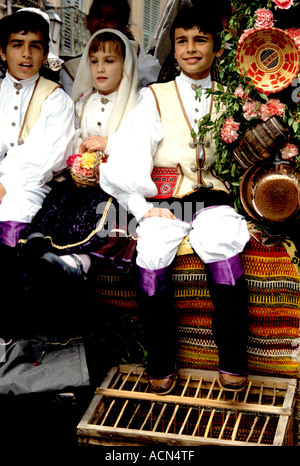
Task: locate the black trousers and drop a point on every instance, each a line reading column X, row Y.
column 230, row 317
column 159, row 321
column 229, row 326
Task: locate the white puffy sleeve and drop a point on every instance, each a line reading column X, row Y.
column 127, row 173
column 45, row 151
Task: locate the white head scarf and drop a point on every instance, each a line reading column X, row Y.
column 128, row 90
column 53, row 60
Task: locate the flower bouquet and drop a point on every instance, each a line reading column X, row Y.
column 85, row 168
column 243, row 100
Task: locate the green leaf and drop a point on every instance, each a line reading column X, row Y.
column 263, row 97
column 295, row 126
column 257, row 106
column 227, row 37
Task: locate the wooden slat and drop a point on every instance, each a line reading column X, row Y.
column 178, row 405
column 127, row 401
column 147, row 416
column 235, row 429
column 190, row 409
column 151, row 438
column 195, row 401
column 226, row 419
column 284, row 420
column 256, row 417
column 135, row 411
column 209, row 376
column 211, row 417
column 113, row 401
column 159, row 417
column 203, row 409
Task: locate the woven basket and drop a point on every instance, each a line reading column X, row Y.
column 84, row 182
column 91, row 181
column 270, row 57
column 260, row 142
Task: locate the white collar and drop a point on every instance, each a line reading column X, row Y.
column 110, row 97
column 25, row 83
column 204, row 83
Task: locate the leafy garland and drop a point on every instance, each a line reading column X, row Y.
column 229, row 99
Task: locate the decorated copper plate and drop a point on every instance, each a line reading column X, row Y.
column 270, row 57
column 270, row 192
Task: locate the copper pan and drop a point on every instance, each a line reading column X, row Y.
column 270, row 191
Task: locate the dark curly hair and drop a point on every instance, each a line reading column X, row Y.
column 195, row 17
column 23, row 22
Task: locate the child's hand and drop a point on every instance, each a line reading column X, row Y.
column 157, row 212
column 92, row 143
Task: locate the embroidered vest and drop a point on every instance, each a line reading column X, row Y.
column 176, row 149
column 43, row 88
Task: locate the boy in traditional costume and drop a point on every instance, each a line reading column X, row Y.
column 158, row 134
column 36, row 132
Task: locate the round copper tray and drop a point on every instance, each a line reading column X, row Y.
column 270, row 192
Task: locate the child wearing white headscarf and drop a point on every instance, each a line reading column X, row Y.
column 67, row 225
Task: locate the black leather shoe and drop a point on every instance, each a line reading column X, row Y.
column 36, row 245
column 58, row 265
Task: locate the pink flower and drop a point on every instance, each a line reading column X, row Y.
column 283, row 4
column 229, row 130
column 71, row 159
column 264, row 19
column 271, row 108
column 241, row 93
column 295, row 34
column 77, row 168
column 289, row 151
column 245, row 34
column 249, row 109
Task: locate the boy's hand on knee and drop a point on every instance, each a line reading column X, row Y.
column 157, row 212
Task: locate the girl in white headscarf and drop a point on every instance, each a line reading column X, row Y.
column 105, row 90
column 89, row 102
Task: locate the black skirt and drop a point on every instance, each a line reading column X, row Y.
column 75, row 219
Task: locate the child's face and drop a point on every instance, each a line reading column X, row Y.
column 108, row 16
column 106, row 70
column 194, row 52
column 24, row 54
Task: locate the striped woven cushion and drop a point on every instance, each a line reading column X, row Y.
column 274, row 284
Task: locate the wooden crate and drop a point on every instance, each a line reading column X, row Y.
column 124, row 411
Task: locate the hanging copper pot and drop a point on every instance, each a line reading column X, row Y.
column 270, row 191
